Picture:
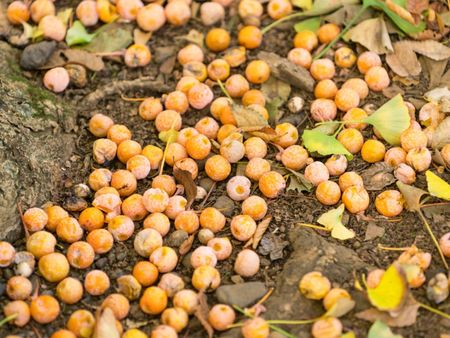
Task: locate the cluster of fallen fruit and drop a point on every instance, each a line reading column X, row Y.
column 117, row 204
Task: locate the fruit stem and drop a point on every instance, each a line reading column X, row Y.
column 344, row 31
column 222, row 87
column 165, row 149
column 436, row 243
column 293, row 322
column 387, row 248
column 235, row 325
column 8, row 319
column 319, row 227
column 281, row 331
column 283, row 19
column 436, row 311
column 434, row 204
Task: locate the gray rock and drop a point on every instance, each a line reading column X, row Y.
column 176, row 238
column 36, row 140
column 37, row 54
column 226, row 205
column 242, row 295
column 311, row 252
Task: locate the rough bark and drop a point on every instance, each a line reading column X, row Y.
column 35, row 140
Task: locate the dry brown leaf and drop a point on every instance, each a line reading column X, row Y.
column 268, row 134
column 405, row 317
column 185, row 178
column 417, row 6
column 378, row 176
column 194, row 36
column 201, row 312
column 141, row 37
column 105, row 326
column 248, row 119
column 429, row 48
column 372, row 34
column 412, row 196
column 441, row 135
column 435, row 70
column 260, row 230
column 62, row 57
column 406, row 81
column 186, row 246
column 400, row 11
column 392, row 90
column 404, row 61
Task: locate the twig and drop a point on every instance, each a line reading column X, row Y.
column 19, row 208
column 345, row 30
column 208, row 194
column 144, row 83
column 436, row 243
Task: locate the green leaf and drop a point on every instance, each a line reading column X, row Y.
column 381, row 330
column 332, row 220
column 303, row 4
column 401, row 23
column 328, row 128
column 437, row 186
column 391, row 119
column 316, row 141
column 110, row 38
column 65, row 15
column 77, row 35
column 312, row 24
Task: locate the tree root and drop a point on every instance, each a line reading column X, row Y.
column 144, row 83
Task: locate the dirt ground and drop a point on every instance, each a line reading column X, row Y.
column 288, row 209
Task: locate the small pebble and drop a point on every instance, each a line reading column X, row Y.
column 295, row 104
column 225, row 205
column 177, row 238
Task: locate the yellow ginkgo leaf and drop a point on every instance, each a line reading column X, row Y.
column 332, row 220
column 437, row 186
column 391, row 293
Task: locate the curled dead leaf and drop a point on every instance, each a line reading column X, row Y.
column 185, row 178
column 186, row 246
column 378, row 176
column 105, row 325
column 412, row 195
column 260, row 230
column 441, row 135
column 372, row 34
column 405, row 317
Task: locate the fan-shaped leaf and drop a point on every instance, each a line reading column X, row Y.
column 391, row 119
column 332, row 220
column 392, row 291
column 437, row 186
column 316, row 141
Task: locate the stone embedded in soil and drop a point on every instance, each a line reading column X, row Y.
column 177, row 238
column 206, row 183
column 242, row 295
column 225, row 205
column 37, row 54
column 311, row 252
column 273, row 246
